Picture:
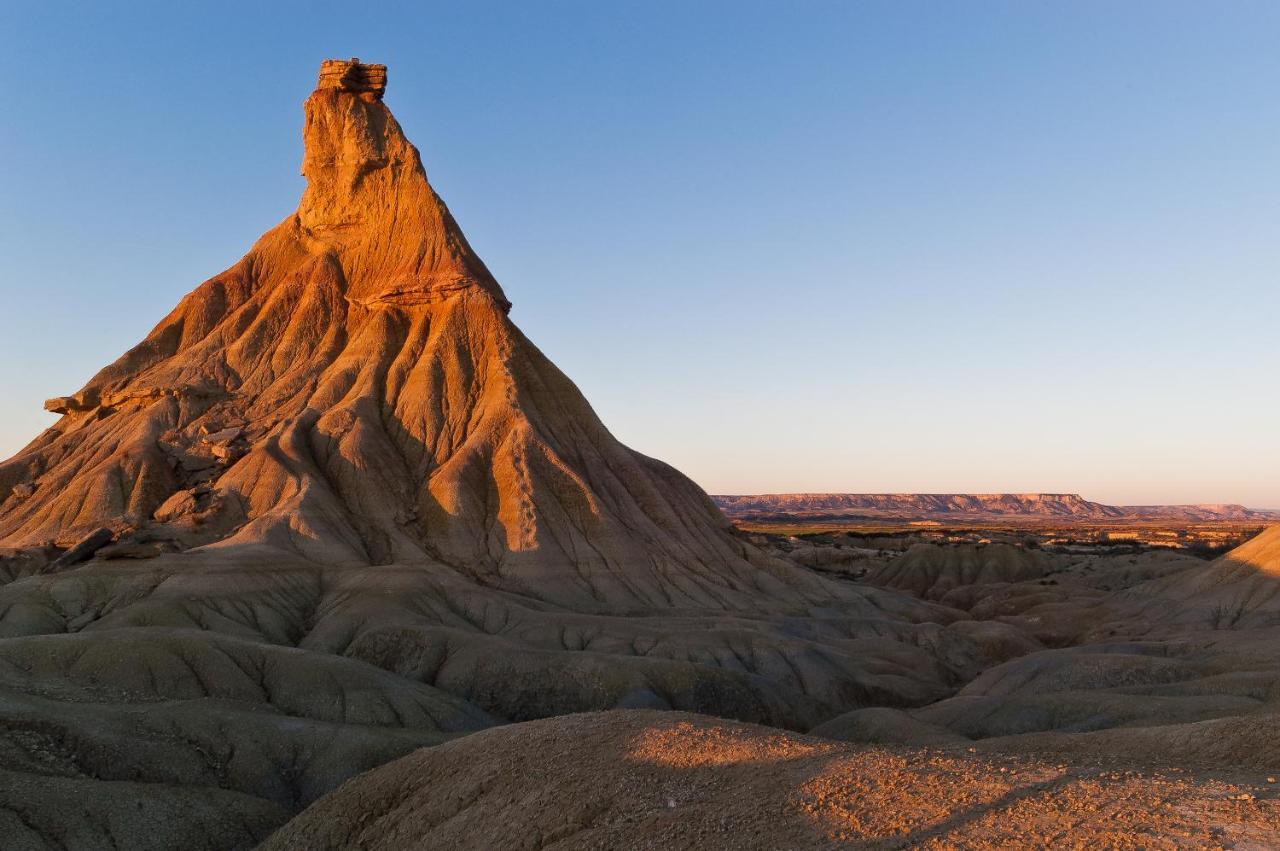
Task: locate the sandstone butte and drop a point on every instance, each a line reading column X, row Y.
column 336, row 507
column 352, row 392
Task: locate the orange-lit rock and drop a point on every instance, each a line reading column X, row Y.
column 387, row 410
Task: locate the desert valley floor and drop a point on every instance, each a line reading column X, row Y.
column 974, row 696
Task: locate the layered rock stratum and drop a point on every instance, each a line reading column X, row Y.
column 994, row 507
column 336, row 508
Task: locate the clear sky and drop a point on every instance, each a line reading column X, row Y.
column 890, row 246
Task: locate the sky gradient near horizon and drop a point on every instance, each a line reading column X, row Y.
column 822, row 246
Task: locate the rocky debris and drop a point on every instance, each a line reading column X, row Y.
column 191, row 518
column 24, row 490
column 138, row 549
column 85, row 400
column 226, row 445
column 642, row 779
column 144, row 543
column 203, row 457
column 85, row 549
column 222, row 437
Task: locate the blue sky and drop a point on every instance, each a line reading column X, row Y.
column 893, row 246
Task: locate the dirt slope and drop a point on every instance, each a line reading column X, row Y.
column 1240, row 590
column 647, row 780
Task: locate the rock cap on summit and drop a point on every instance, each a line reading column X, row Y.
column 352, row 75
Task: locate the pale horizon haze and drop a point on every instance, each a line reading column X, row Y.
column 822, row 246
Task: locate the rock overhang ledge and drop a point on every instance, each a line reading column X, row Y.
column 352, row 75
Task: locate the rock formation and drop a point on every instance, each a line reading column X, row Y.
column 342, row 449
column 352, row 392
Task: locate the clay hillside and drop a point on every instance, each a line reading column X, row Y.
column 336, row 510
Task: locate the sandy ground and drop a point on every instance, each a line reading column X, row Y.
column 640, row 779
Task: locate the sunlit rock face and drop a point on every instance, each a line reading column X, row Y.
column 384, row 409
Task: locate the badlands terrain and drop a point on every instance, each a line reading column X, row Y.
column 336, row 558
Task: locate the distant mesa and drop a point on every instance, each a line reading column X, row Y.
column 976, row 506
column 924, row 505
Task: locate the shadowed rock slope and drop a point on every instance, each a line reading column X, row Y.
column 1150, row 723
column 1157, row 643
